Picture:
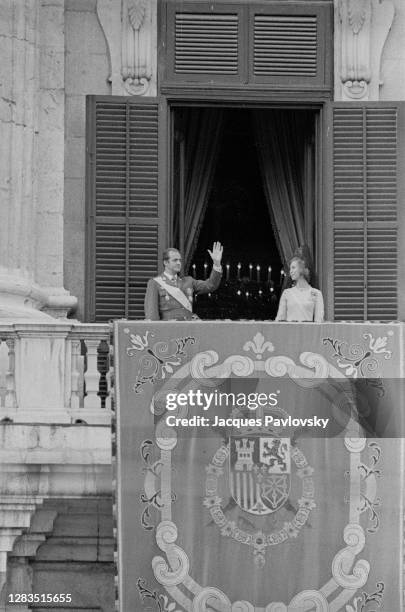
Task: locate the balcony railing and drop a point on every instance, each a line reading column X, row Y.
column 61, row 372
column 55, row 373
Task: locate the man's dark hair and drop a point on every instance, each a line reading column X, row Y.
column 166, row 253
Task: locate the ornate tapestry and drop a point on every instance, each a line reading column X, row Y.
column 290, row 505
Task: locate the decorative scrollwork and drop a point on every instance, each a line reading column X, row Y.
column 201, row 362
column 242, row 606
column 203, row 366
column 379, row 345
column 375, row 457
column 358, row 361
column 360, row 603
column 368, row 505
column 355, row 445
column 145, row 593
column 355, row 540
column 353, row 359
column 162, row 602
column 155, row 502
column 279, row 366
column 158, row 360
column 369, row 501
column 166, row 536
column 150, row 497
column 208, row 597
column 166, row 437
column 315, row 598
column 239, row 365
column 315, row 362
column 146, row 451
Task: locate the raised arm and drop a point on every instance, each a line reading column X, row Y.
column 319, row 308
column 212, row 283
column 152, row 301
column 282, row 308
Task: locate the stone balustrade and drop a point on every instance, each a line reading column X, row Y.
column 55, row 373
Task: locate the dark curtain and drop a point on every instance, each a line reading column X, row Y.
column 285, row 150
column 201, row 129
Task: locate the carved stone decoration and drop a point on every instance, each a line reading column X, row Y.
column 362, row 27
column 130, row 28
column 356, row 69
column 24, row 527
column 136, row 66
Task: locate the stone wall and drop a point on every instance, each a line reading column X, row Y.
column 77, row 558
column 393, row 57
column 32, row 116
column 56, row 532
column 86, row 72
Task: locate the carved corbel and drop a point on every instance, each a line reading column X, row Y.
column 363, row 26
column 136, row 65
column 130, row 28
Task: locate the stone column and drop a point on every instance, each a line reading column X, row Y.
column 31, row 149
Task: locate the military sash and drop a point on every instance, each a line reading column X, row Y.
column 176, row 293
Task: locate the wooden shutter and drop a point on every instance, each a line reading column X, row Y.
column 283, row 44
column 206, row 43
column 203, row 42
column 123, row 227
column 365, row 211
column 290, row 44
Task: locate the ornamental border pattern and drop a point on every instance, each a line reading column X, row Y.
column 204, row 365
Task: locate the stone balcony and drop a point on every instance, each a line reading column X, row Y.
column 55, row 428
column 55, row 373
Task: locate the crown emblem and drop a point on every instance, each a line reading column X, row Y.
column 255, row 430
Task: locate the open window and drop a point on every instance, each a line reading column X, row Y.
column 351, row 216
column 244, row 176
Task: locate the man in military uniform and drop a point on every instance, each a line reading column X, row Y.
column 170, row 297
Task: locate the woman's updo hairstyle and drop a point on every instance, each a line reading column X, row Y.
column 305, row 267
column 303, row 255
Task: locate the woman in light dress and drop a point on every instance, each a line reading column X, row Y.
column 301, row 302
